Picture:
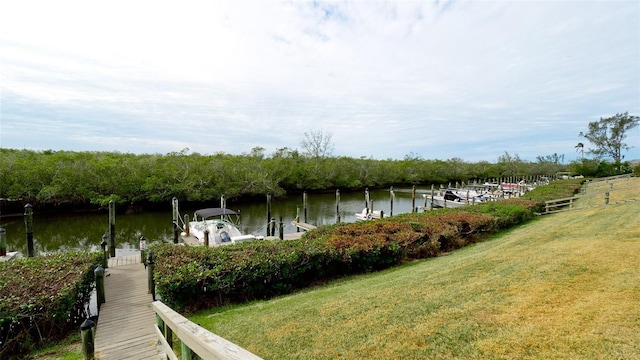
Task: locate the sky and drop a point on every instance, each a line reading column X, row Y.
column 472, row 80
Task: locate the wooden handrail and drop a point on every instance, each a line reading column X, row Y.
column 198, row 340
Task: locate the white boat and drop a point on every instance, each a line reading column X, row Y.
column 222, row 225
column 451, row 198
column 367, row 214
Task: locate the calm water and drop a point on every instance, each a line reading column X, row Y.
column 84, row 231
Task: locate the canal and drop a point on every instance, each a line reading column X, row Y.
column 84, row 231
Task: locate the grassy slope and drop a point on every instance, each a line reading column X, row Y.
column 562, row 286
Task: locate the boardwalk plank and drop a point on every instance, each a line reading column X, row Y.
column 125, row 325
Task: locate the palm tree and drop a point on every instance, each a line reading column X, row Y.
column 580, row 148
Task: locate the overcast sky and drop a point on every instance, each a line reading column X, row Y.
column 435, row 79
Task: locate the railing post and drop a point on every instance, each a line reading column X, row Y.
column 3, row 242
column 28, row 222
column 150, row 280
column 99, row 277
column 86, row 333
column 188, row 354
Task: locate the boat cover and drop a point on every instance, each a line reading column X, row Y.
column 211, row 212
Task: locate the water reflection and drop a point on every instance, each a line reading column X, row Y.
column 84, row 231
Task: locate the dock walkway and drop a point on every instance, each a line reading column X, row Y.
column 125, row 325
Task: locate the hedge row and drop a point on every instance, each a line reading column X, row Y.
column 43, row 299
column 193, row 278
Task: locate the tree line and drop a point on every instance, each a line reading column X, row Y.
column 95, row 178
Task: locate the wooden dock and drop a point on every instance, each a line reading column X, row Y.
column 125, row 328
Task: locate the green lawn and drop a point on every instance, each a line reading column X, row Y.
column 563, row 286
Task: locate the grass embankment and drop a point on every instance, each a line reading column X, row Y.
column 562, row 286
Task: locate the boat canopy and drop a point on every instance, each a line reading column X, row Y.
column 211, row 212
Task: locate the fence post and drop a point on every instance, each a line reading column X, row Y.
column 28, row 222
column 3, row 242
column 150, row 280
column 86, row 333
column 99, row 276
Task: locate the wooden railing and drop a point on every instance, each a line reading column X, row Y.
column 197, row 342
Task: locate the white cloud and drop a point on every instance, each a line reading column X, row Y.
column 442, row 79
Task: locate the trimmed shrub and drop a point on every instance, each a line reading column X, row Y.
column 192, row 278
column 43, row 299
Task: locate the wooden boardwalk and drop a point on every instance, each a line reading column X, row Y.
column 125, row 325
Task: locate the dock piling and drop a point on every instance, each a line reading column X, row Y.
column 99, row 277
column 112, row 228
column 103, row 244
column 28, row 222
column 3, row 242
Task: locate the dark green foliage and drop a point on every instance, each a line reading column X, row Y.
column 191, row 278
column 92, row 179
column 42, row 299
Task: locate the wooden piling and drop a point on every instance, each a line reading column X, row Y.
column 3, row 242
column 112, row 228
column 304, row 206
column 28, row 222
column 268, row 213
column 206, row 237
column 337, row 205
column 413, row 199
column 392, row 196
column 99, row 278
column 176, row 218
column 86, row 334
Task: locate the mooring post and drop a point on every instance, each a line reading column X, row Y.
column 112, row 228
column 86, row 333
column 103, row 245
column 281, row 229
column 413, row 199
column 186, row 225
column 99, row 277
column 304, row 206
column 268, row 213
column 366, row 199
column 28, row 222
column 206, row 237
column 143, row 248
column 431, row 205
column 297, row 217
column 337, row 205
column 272, row 224
column 392, row 196
column 150, row 281
column 176, row 217
column 3, row 242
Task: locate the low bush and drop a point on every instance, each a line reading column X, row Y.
column 43, row 299
column 192, row 278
